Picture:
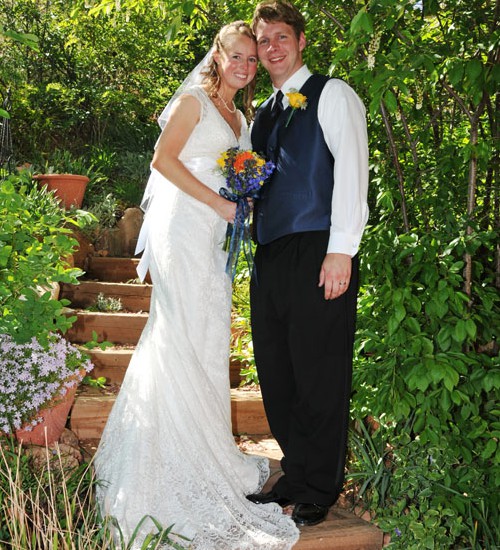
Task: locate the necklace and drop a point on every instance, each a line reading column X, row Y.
column 225, row 104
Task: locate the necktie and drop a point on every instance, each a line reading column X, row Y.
column 278, row 105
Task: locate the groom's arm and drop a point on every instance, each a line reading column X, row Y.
column 341, row 115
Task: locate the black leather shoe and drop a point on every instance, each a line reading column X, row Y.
column 266, row 498
column 309, row 514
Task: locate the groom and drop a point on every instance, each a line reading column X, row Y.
column 308, row 226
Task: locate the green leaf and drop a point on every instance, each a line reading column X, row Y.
column 427, row 346
column 397, row 296
column 187, row 8
column 444, row 338
column 471, row 328
column 460, row 332
column 451, row 377
column 29, row 40
column 390, row 101
column 444, row 400
column 392, row 325
column 399, row 312
column 5, row 252
column 490, row 449
column 413, row 325
column 362, row 21
column 456, row 73
column 473, row 69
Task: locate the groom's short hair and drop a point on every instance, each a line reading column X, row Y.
column 279, row 11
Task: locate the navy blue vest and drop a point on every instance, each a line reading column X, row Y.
column 298, row 196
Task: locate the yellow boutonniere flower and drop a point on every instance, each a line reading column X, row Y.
column 297, row 101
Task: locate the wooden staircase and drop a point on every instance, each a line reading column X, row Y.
column 116, row 278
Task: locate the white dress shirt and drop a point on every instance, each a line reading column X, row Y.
column 341, row 115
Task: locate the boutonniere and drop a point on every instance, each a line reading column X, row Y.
column 297, row 101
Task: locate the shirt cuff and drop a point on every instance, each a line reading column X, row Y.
column 343, row 243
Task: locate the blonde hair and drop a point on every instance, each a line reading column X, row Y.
column 279, row 11
column 211, row 76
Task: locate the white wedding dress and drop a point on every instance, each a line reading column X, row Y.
column 167, row 450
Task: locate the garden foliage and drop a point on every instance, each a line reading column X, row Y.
column 35, row 246
column 424, row 449
column 427, row 366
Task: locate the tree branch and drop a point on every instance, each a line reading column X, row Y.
column 397, row 164
column 328, row 14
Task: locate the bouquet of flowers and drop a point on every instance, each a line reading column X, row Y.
column 245, row 173
column 34, row 377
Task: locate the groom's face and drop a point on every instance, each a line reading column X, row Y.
column 279, row 49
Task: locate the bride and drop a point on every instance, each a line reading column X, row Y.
column 167, row 450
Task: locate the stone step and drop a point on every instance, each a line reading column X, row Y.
column 92, row 407
column 113, row 270
column 133, row 297
column 117, row 328
column 112, row 364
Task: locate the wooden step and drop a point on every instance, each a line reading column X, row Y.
column 247, row 412
column 92, row 407
column 114, row 270
column 341, row 530
column 117, row 328
column 112, row 364
column 133, row 297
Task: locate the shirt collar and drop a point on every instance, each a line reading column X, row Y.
column 296, row 81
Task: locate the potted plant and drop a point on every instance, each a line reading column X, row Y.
column 66, row 177
column 68, row 188
column 37, row 386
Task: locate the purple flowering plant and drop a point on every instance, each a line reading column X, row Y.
column 34, row 377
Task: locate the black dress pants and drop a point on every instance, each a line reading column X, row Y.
column 303, row 351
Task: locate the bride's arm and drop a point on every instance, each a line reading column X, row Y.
column 184, row 116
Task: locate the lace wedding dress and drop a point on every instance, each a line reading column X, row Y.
column 167, row 450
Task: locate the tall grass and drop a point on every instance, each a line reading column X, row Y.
column 46, row 504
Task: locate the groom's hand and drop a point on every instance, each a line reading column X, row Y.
column 335, row 275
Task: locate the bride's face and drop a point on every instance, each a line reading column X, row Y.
column 237, row 61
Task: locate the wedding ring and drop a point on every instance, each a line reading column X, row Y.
column 342, row 283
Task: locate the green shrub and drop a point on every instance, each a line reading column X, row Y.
column 427, row 369
column 35, row 245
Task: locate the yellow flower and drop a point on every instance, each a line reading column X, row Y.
column 297, row 101
column 221, row 161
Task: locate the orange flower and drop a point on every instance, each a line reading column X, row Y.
column 239, row 161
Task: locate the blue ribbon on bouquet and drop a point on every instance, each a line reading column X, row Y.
column 238, row 235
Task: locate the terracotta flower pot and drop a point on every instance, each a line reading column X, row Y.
column 69, row 188
column 49, row 430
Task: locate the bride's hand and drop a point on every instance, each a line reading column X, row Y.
column 226, row 209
